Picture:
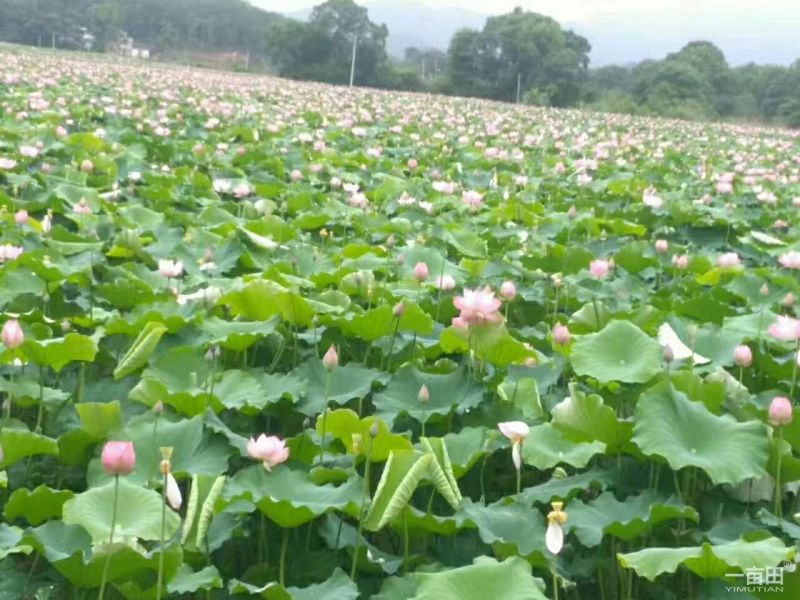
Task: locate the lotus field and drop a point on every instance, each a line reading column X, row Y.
column 282, row 340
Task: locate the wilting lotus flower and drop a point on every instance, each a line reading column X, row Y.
column 508, row 290
column 516, row 431
column 170, row 268
column 790, row 260
column 554, row 536
column 118, row 458
column 785, row 329
column 446, row 282
column 599, row 268
column 780, row 411
column 12, row 335
column 652, row 199
column 742, row 356
column 477, row 307
column 729, row 260
column 271, row 451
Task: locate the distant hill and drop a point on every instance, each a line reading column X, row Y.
column 413, row 24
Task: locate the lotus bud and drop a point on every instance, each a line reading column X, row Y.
column 391, row 241
column 669, row 354
column 158, row 407
column 118, row 458
column 788, row 300
column 331, row 358
column 424, row 395
column 561, row 334
column 508, row 290
column 780, row 411
column 420, row 271
column 373, row 430
column 173, row 492
column 742, row 356
column 572, row 212
column 764, row 290
column 662, row 246
column 12, row 335
column 399, row 310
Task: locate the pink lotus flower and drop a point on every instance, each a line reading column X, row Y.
column 680, row 261
column 472, row 198
column 444, row 187
column 445, row 282
column 508, row 290
column 118, row 458
column 561, row 334
column 421, row 271
column 12, row 335
column 271, row 451
column 742, row 356
column 729, row 260
column 662, row 246
column 21, row 217
column 477, row 307
column 331, row 359
column 780, row 411
column 9, row 252
column 785, row 329
column 599, row 268
column 516, row 431
column 170, row 268
column 242, row 190
column 7, row 164
column 790, row 260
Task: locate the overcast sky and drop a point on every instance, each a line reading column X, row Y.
column 621, row 31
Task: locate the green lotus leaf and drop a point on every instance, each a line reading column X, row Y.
column 670, row 425
column 619, row 352
column 585, row 418
column 485, row 578
column 289, row 496
column 707, row 561
column 138, row 513
column 56, row 353
column 36, row 506
column 186, row 581
column 508, row 523
column 545, row 447
column 18, row 443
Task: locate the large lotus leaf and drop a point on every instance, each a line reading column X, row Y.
column 186, row 581
column 343, row 423
column 100, row 418
column 523, row 394
column 546, row 447
column 17, row 443
column 338, row 586
column 567, row 487
column 11, row 541
column 511, row 523
column 236, row 335
column 446, row 391
column 485, row 578
column 708, row 561
column 196, row 451
column 57, row 540
column 56, row 353
column 36, row 506
column 259, row 300
column 619, row 352
column 585, row 418
column 138, row 513
column 629, row 519
column 340, row 385
column 685, row 433
column 466, row 447
column 290, row 497
column 492, row 343
column 380, row 322
column 239, row 390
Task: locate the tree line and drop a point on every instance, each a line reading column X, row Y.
column 519, row 56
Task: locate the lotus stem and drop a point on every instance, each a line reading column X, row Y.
column 405, row 541
column 325, row 414
column 794, row 370
column 778, row 495
column 555, row 580
column 162, row 535
column 364, row 496
column 391, row 345
column 104, row 577
column 284, row 548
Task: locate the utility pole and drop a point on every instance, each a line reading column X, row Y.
column 519, row 85
column 353, row 61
